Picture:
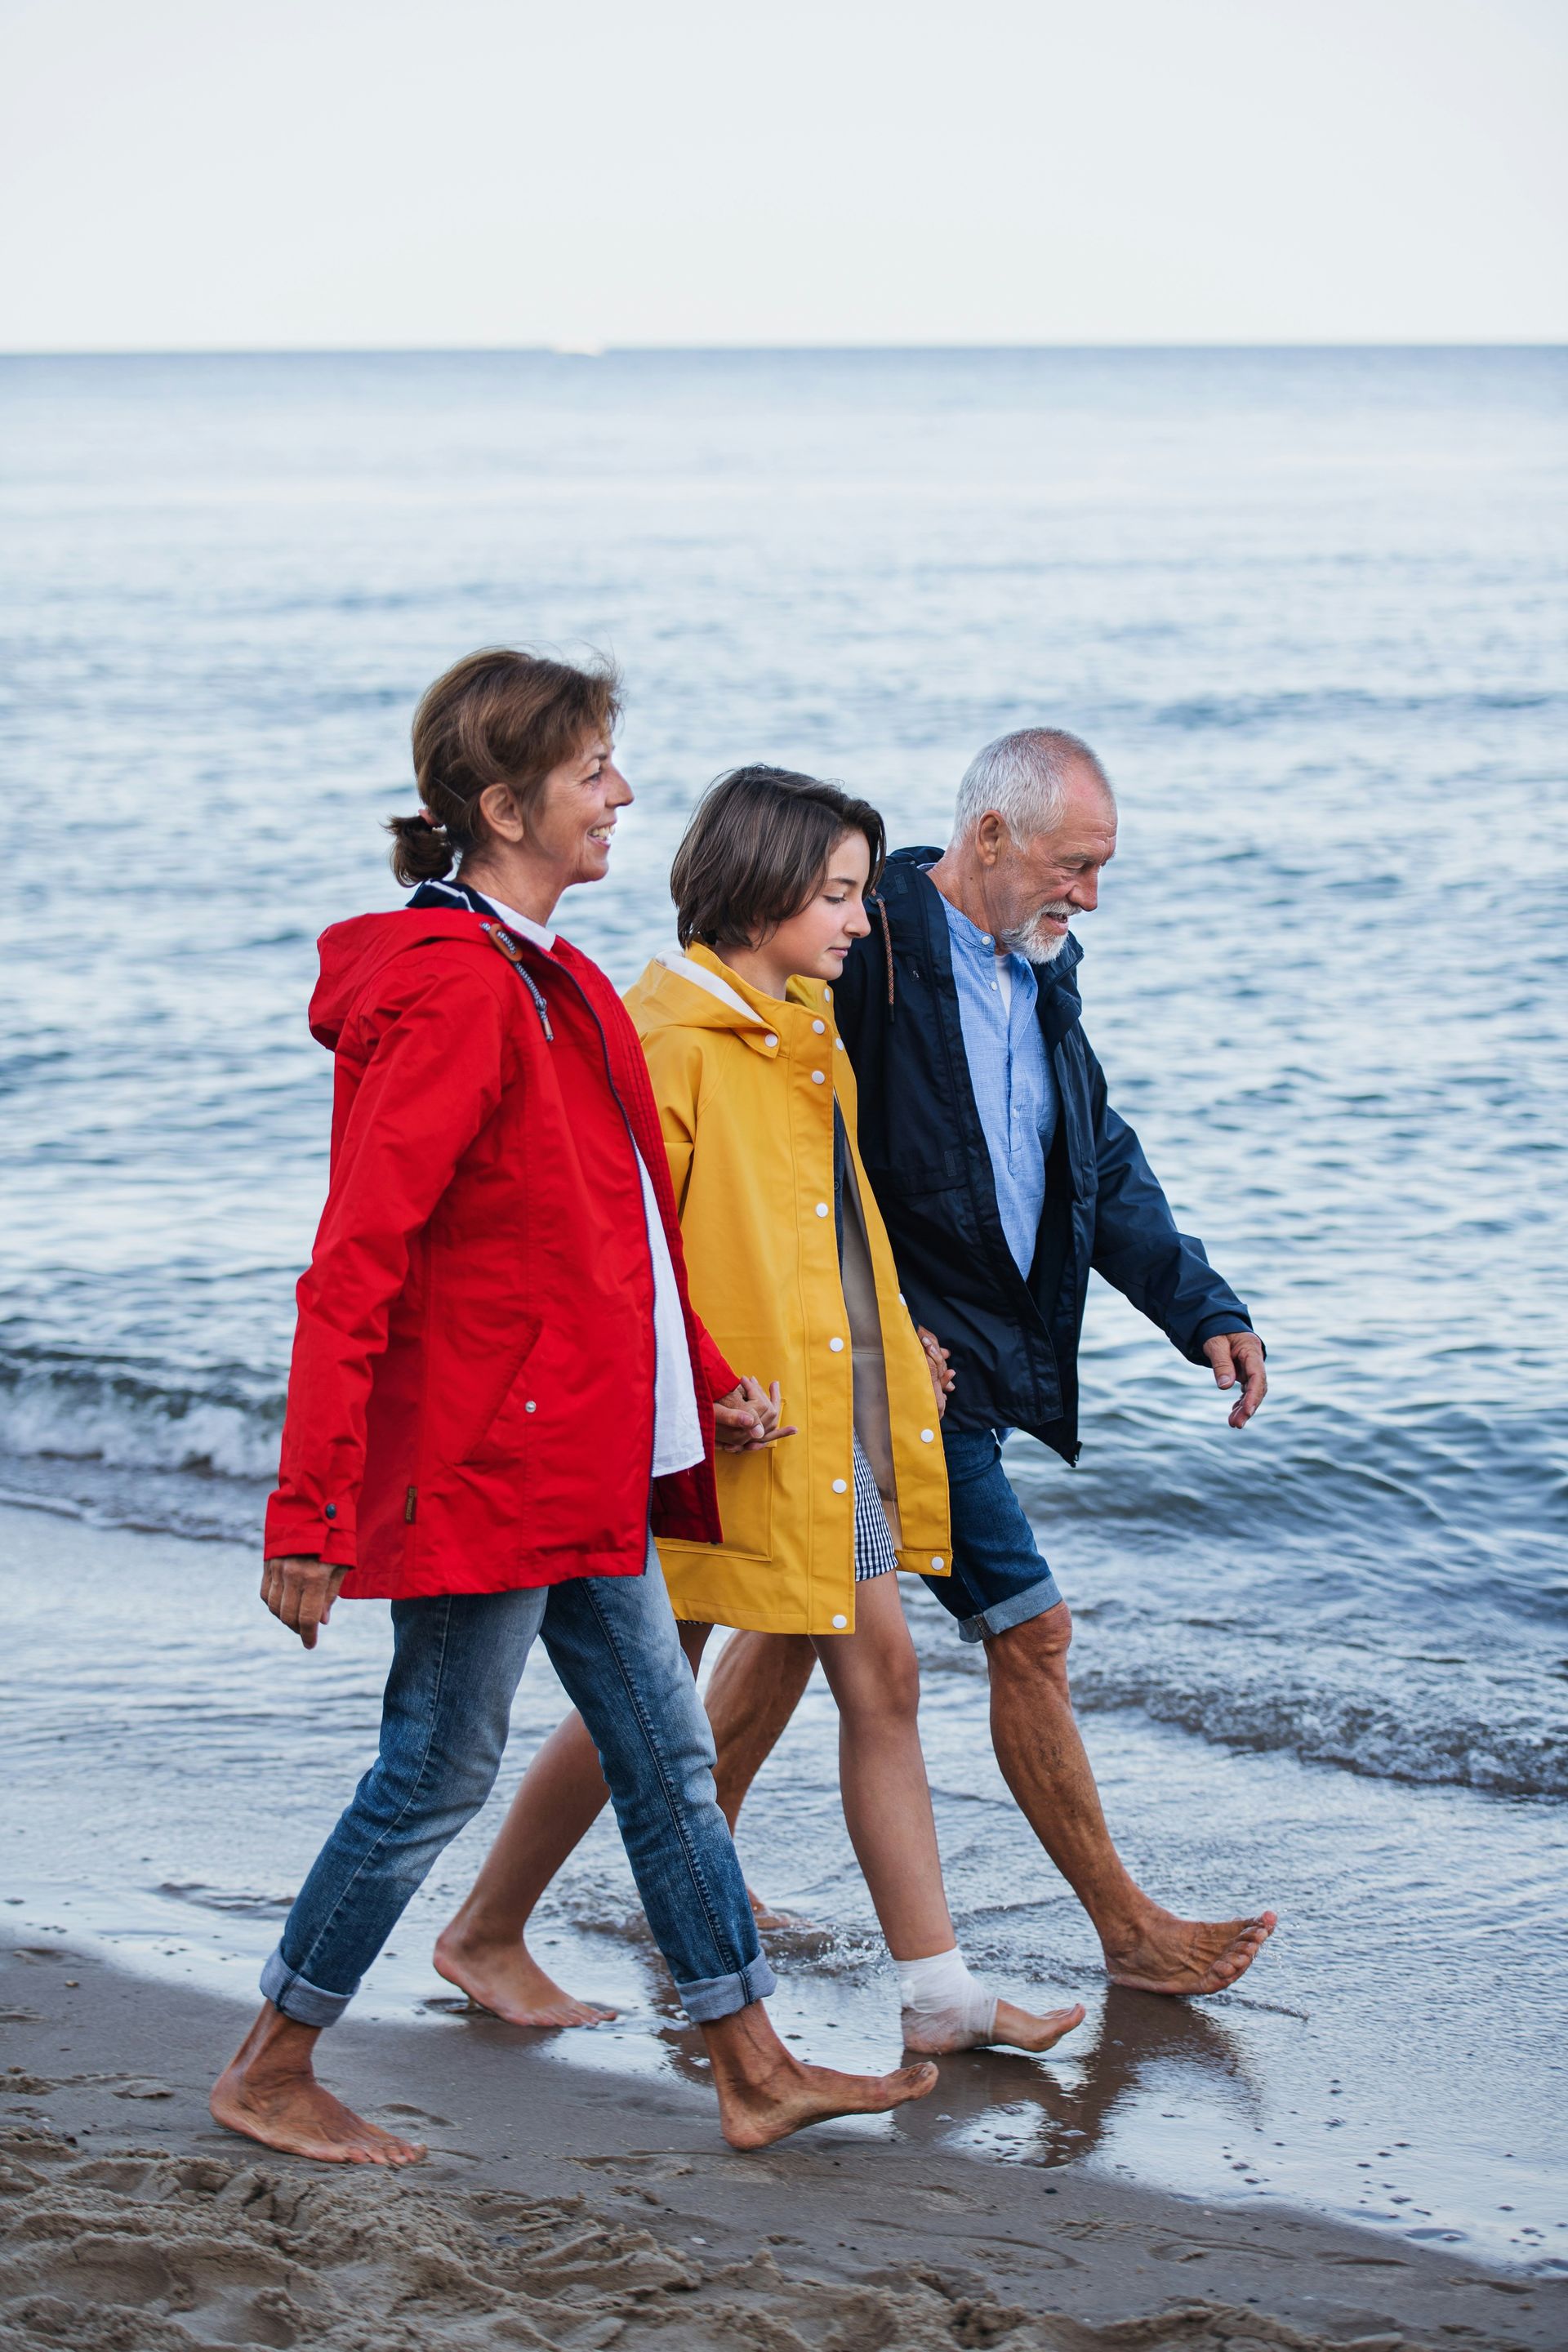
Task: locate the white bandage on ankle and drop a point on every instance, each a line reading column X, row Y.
column 940, row 1995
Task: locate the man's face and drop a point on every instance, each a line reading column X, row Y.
column 1035, row 888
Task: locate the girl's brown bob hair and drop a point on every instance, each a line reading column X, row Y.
column 757, row 851
column 495, row 718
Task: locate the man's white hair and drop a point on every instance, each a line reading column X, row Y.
column 1026, row 778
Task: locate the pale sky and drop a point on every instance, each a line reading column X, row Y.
column 220, row 174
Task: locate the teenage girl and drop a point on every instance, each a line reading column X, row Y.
column 791, row 1270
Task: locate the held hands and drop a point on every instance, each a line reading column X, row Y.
column 1238, row 1356
column 748, row 1418
column 942, row 1381
column 302, row 1592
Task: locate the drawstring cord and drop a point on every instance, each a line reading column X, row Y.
column 877, row 901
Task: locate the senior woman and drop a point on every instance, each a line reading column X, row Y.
column 497, row 1384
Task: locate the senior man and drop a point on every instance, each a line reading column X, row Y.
column 1004, row 1175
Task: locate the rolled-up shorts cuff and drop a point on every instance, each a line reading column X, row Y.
column 711, row 1997
column 1016, row 1610
column 297, row 1997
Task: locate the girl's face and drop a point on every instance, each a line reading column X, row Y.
column 814, row 943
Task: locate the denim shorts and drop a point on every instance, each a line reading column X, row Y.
column 999, row 1575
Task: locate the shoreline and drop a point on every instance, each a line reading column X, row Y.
column 650, row 2230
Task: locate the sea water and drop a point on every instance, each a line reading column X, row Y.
column 1307, row 608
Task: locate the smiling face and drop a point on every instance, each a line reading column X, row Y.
column 1033, row 888
column 573, row 816
column 527, row 861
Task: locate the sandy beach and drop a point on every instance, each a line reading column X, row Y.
column 574, row 2209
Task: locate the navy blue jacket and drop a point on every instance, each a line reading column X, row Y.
column 1014, row 1341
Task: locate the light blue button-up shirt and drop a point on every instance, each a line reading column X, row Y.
column 1010, row 1071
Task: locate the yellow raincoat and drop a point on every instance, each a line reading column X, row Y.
column 745, row 1086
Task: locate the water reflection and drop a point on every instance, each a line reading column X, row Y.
column 1055, row 2110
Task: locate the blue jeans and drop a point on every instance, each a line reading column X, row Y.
column 456, row 1663
column 999, row 1577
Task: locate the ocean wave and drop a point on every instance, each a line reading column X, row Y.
column 1320, row 1639
column 131, row 1415
column 1372, row 1710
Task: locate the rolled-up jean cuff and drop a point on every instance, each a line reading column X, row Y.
column 1016, row 1610
column 715, row 1996
column 297, row 1997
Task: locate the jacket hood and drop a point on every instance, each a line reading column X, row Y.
column 353, row 953
column 696, row 990
column 895, row 903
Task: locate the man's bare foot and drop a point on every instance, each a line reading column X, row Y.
column 1164, row 1954
column 269, row 2091
column 1013, row 2029
column 765, row 2094
column 508, row 1981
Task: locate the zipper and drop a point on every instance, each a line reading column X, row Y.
column 636, row 1153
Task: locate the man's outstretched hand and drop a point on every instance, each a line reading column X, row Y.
column 302, row 1592
column 1238, row 1356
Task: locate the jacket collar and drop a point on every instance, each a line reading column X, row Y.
column 905, row 901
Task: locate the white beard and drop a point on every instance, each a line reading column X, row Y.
column 1032, row 944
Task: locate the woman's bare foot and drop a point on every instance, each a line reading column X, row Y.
column 1185, row 1957
column 765, row 2094
column 508, row 1981
column 1011, row 2028
column 269, row 2091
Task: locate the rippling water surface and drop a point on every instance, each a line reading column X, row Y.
column 1307, row 608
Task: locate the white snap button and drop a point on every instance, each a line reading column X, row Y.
column 838, row 1348
column 770, row 1039
column 819, row 1078
column 900, row 1298
column 839, row 1624
column 927, row 1435
column 820, row 1027
column 821, row 1208
column 839, row 1043
column 828, row 996
column 841, row 1486
column 936, row 1560
column 986, row 939
column 529, row 1407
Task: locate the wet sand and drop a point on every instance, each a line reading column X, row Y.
column 561, row 2206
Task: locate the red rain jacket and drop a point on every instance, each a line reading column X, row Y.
column 470, row 1401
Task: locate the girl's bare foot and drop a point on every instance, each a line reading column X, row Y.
column 269, row 2091
column 1011, row 2028
column 1186, row 1956
column 508, row 1981
column 766, row 1917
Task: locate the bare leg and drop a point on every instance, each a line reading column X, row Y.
column 754, row 1688
column 875, row 1679
column 481, row 1949
column 765, row 2094
column 269, row 2091
column 1038, row 1746
column 752, row 1693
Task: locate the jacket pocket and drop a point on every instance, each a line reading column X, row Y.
column 492, row 1426
column 745, row 1485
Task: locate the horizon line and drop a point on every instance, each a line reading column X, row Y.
column 586, row 348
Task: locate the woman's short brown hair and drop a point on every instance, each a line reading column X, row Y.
column 495, row 718
column 757, row 850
